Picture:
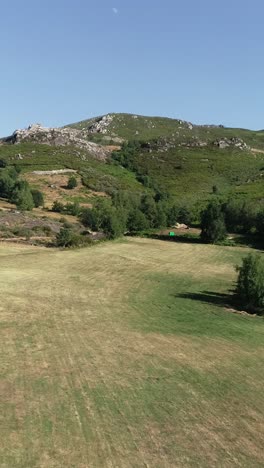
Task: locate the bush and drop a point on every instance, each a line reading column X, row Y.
column 3, row 163
column 213, row 223
column 72, row 183
column 65, row 237
column 38, row 198
column 72, row 208
column 21, row 231
column 68, row 238
column 57, row 207
column 250, row 283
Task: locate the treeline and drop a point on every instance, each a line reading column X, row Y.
column 18, row 191
column 133, row 213
column 236, row 216
column 130, row 212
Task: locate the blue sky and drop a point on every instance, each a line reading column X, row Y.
column 66, row 60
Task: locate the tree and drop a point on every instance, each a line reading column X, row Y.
column 24, row 200
column 260, row 222
column 7, row 184
column 149, row 208
column 22, row 197
column 38, row 198
column 161, row 218
column 114, row 224
column 184, row 216
column 213, row 223
column 72, row 182
column 250, row 283
column 137, row 221
column 88, row 218
column 172, row 215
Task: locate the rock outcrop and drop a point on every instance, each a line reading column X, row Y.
column 224, row 143
column 100, row 124
column 57, row 137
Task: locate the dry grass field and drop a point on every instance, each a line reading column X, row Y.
column 126, row 354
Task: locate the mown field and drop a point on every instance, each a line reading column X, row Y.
column 126, row 354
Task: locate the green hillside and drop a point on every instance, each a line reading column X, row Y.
column 177, row 157
column 137, row 127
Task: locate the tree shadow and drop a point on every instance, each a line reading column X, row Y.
column 212, row 297
column 229, row 301
column 181, row 238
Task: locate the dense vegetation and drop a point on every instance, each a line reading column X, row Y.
column 250, row 284
column 18, row 191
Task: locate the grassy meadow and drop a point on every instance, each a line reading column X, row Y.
column 127, row 354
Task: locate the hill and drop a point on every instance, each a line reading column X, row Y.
column 137, row 127
column 187, row 160
column 177, row 157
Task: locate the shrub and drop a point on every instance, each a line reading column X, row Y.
column 57, row 207
column 38, row 198
column 250, row 283
column 65, row 237
column 68, row 238
column 21, row 231
column 3, row 163
column 72, row 183
column 72, row 208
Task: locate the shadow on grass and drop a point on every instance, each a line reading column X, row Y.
column 183, row 238
column 253, row 241
column 210, row 297
column 227, row 301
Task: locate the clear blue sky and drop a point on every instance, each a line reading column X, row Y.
column 66, row 60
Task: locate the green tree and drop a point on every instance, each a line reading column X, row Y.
column 38, row 197
column 149, row 208
column 137, row 221
column 88, row 218
column 22, row 197
column 161, row 218
column 72, row 182
column 184, row 216
column 250, row 283
column 114, row 224
column 260, row 224
column 213, row 227
column 7, row 183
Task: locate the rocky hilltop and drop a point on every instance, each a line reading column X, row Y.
column 57, row 137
